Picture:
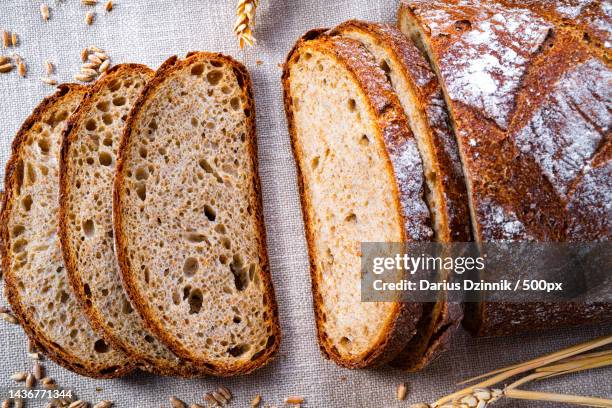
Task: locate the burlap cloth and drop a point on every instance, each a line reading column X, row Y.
column 151, row 31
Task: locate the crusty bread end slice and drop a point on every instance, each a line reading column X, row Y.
column 188, row 216
column 37, row 285
column 87, row 168
column 361, row 180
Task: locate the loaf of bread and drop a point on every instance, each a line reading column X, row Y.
column 36, row 281
column 530, row 108
column 421, row 98
column 188, row 218
column 361, row 180
column 87, row 168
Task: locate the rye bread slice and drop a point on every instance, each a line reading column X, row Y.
column 87, row 168
column 532, row 122
column 37, row 285
column 188, row 216
column 421, row 97
column 361, row 179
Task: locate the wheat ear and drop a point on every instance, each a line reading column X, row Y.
column 245, row 22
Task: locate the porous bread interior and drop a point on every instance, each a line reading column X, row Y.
column 89, row 227
column 419, row 125
column 349, row 193
column 189, row 215
column 37, row 265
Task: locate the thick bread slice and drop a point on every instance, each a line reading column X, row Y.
column 361, row 180
column 532, row 122
column 188, row 216
column 37, row 285
column 87, row 168
column 420, row 94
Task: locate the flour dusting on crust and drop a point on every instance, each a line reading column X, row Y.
column 564, row 133
column 499, row 224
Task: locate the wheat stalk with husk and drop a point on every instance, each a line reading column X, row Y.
column 245, row 22
column 567, row 361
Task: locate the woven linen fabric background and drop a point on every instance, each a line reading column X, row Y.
column 149, row 32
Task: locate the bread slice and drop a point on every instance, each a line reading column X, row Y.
column 422, row 99
column 188, row 216
column 361, row 180
column 87, row 167
column 37, row 285
column 532, row 124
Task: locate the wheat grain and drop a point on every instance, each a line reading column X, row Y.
column 104, row 66
column 245, row 22
column 84, row 54
column 49, row 68
column 177, row 403
column 6, row 39
column 103, row 404
column 83, row 78
column 89, row 71
column 89, row 2
column 4, row 60
column 22, row 69
column 89, row 17
column 108, row 6
column 256, row 401
column 294, row 400
column 30, row 381
column 14, row 39
column 402, row 390
column 49, row 81
column 44, row 12
column 93, row 58
column 19, row 376
column 6, row 403
column 79, row 404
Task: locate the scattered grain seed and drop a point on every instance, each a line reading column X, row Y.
column 211, row 400
column 177, row 403
column 4, row 60
column 225, row 392
column 194, row 405
column 94, row 59
column 256, row 401
column 101, row 55
column 93, row 48
column 6, row 403
column 30, row 381
column 79, row 404
column 44, row 12
column 294, row 400
column 48, row 383
column 89, row 17
column 18, row 403
column 89, row 2
column 49, row 81
column 104, row 67
column 83, row 78
column 103, row 404
column 402, row 390
column 34, row 355
column 20, row 376
column 90, row 65
column 259, row 62
column 14, row 39
column 219, row 397
column 84, row 54
column 89, row 71
column 38, row 370
column 7, row 317
column 22, row 69
column 109, row 6
column 6, row 39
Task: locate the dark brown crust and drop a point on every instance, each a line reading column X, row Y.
column 25, row 319
column 170, row 66
column 498, row 170
column 161, row 367
column 394, row 130
column 454, row 214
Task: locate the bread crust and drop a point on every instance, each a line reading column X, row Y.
column 24, row 317
column 453, row 216
column 170, row 66
column 394, row 132
column 158, row 366
column 507, row 171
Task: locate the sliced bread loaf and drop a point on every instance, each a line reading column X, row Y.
column 421, row 98
column 87, row 168
column 532, row 121
column 37, row 285
column 188, row 216
column 361, row 180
